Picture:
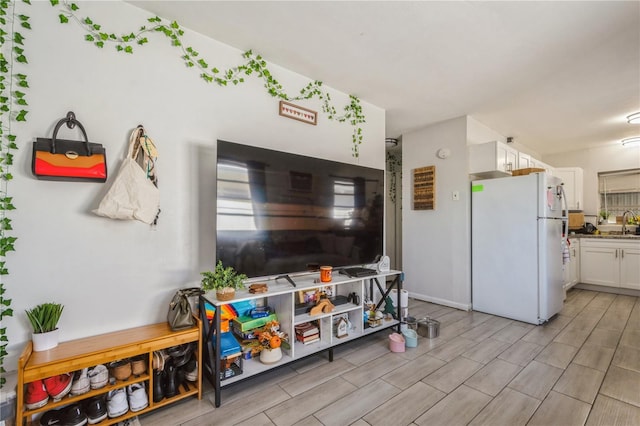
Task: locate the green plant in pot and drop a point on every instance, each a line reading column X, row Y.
column 223, row 280
column 44, row 320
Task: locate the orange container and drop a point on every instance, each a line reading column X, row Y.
column 325, row 273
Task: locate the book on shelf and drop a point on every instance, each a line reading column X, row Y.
column 313, row 339
column 306, row 329
column 308, row 339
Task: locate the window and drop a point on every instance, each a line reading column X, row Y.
column 619, row 192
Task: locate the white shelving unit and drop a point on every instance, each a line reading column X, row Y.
column 282, row 298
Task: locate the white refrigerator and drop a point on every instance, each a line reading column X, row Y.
column 517, row 246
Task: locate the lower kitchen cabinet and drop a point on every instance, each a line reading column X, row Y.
column 572, row 269
column 612, row 263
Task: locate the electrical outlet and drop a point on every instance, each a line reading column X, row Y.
column 455, row 195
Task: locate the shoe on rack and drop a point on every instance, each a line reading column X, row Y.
column 36, row 396
column 52, row 418
column 98, row 376
column 171, row 384
column 133, row 421
column 121, row 370
column 158, row 385
column 117, row 402
column 191, row 370
column 81, row 383
column 58, row 386
column 159, row 359
column 138, row 399
column 139, row 365
column 96, row 409
column 74, row 415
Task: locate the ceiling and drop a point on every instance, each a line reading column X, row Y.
column 556, row 76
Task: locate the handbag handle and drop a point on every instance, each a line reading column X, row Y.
column 192, row 291
column 71, row 122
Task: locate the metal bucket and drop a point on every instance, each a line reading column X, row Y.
column 429, row 328
column 412, row 323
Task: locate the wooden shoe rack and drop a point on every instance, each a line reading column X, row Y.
column 74, row 355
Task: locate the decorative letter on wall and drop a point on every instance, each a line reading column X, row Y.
column 424, row 188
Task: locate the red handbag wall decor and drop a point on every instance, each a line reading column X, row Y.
column 66, row 160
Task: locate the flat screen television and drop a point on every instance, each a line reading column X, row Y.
column 281, row 213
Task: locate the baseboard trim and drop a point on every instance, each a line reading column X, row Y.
column 438, row 301
column 605, row 289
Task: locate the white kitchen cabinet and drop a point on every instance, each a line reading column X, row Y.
column 524, row 160
column 572, row 269
column 612, row 263
column 535, row 163
column 572, row 177
column 492, row 159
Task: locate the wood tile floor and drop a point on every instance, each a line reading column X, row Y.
column 583, row 367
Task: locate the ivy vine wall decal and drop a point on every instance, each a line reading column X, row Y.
column 13, row 102
column 13, row 106
column 254, row 65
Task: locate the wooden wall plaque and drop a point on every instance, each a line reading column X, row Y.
column 424, row 188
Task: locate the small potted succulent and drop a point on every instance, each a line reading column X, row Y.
column 44, row 321
column 223, row 280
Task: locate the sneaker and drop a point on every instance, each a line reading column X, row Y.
column 36, row 396
column 81, row 382
column 98, row 376
column 138, row 399
column 74, row 415
column 96, row 409
column 58, row 386
column 133, row 421
column 191, row 370
column 52, row 418
column 117, row 402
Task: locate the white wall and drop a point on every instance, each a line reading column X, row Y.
column 113, row 275
column 608, row 158
column 436, row 243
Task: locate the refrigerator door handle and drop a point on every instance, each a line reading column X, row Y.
column 622, row 253
column 616, row 253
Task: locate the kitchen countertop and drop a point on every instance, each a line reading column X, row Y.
column 607, row 236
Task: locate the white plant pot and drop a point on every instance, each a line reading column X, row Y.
column 44, row 341
column 270, row 356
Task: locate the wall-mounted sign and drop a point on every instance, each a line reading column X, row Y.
column 298, row 113
column 424, row 188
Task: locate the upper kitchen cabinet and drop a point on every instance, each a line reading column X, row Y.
column 492, row 159
column 537, row 164
column 572, row 177
column 524, row 161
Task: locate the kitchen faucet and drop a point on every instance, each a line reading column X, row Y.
column 624, row 220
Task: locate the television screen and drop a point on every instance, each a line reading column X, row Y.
column 281, row 213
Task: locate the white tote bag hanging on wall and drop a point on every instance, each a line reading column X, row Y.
column 134, row 194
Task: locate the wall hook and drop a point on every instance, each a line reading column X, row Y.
column 71, row 120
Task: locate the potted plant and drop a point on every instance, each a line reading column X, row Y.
column 604, row 216
column 223, row 280
column 44, row 321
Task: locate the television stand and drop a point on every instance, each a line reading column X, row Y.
column 283, row 298
column 288, row 278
